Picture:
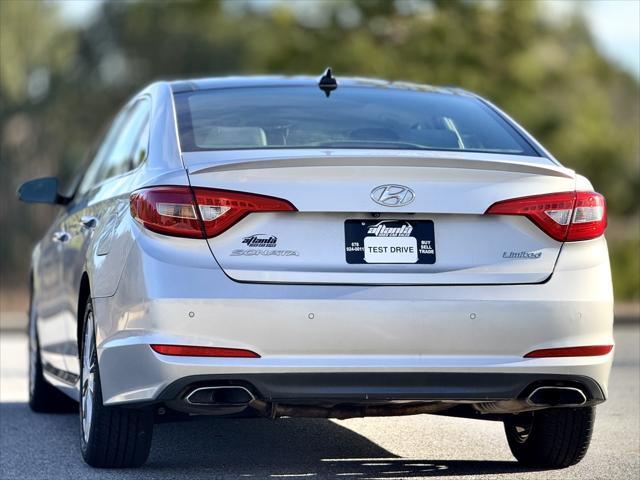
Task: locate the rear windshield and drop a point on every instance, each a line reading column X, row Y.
column 351, row 117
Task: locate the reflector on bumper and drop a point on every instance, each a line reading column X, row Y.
column 586, row 351
column 192, row 351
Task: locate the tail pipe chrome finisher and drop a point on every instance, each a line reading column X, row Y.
column 539, row 398
column 220, row 396
column 556, row 397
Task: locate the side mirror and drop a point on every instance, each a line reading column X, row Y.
column 42, row 190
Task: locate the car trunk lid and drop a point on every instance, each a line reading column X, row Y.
column 340, row 235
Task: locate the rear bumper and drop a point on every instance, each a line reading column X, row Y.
column 132, row 372
column 431, row 341
column 335, row 388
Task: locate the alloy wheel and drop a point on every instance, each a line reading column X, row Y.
column 522, row 427
column 33, row 351
column 87, row 378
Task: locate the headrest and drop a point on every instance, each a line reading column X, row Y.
column 221, row 137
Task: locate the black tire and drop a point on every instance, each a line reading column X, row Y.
column 43, row 397
column 553, row 438
column 112, row 437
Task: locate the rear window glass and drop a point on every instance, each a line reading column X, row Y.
column 352, row 117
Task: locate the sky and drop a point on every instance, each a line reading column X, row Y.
column 614, row 23
column 617, row 27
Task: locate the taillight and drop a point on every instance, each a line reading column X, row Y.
column 220, row 209
column 167, row 210
column 589, row 218
column 565, row 216
column 198, row 212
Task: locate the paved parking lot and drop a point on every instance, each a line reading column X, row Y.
column 46, row 446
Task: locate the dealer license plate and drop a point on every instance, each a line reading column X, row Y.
column 389, row 241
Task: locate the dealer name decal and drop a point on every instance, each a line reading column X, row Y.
column 260, row 240
column 381, row 230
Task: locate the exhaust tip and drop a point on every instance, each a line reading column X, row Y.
column 221, row 396
column 557, row 397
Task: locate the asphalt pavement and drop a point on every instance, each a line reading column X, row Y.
column 38, row 446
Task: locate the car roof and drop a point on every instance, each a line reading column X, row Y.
column 179, row 86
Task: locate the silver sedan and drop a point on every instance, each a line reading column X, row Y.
column 288, row 246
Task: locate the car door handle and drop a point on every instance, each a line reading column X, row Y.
column 88, row 222
column 61, row 237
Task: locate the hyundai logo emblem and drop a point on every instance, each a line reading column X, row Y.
column 392, row 195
